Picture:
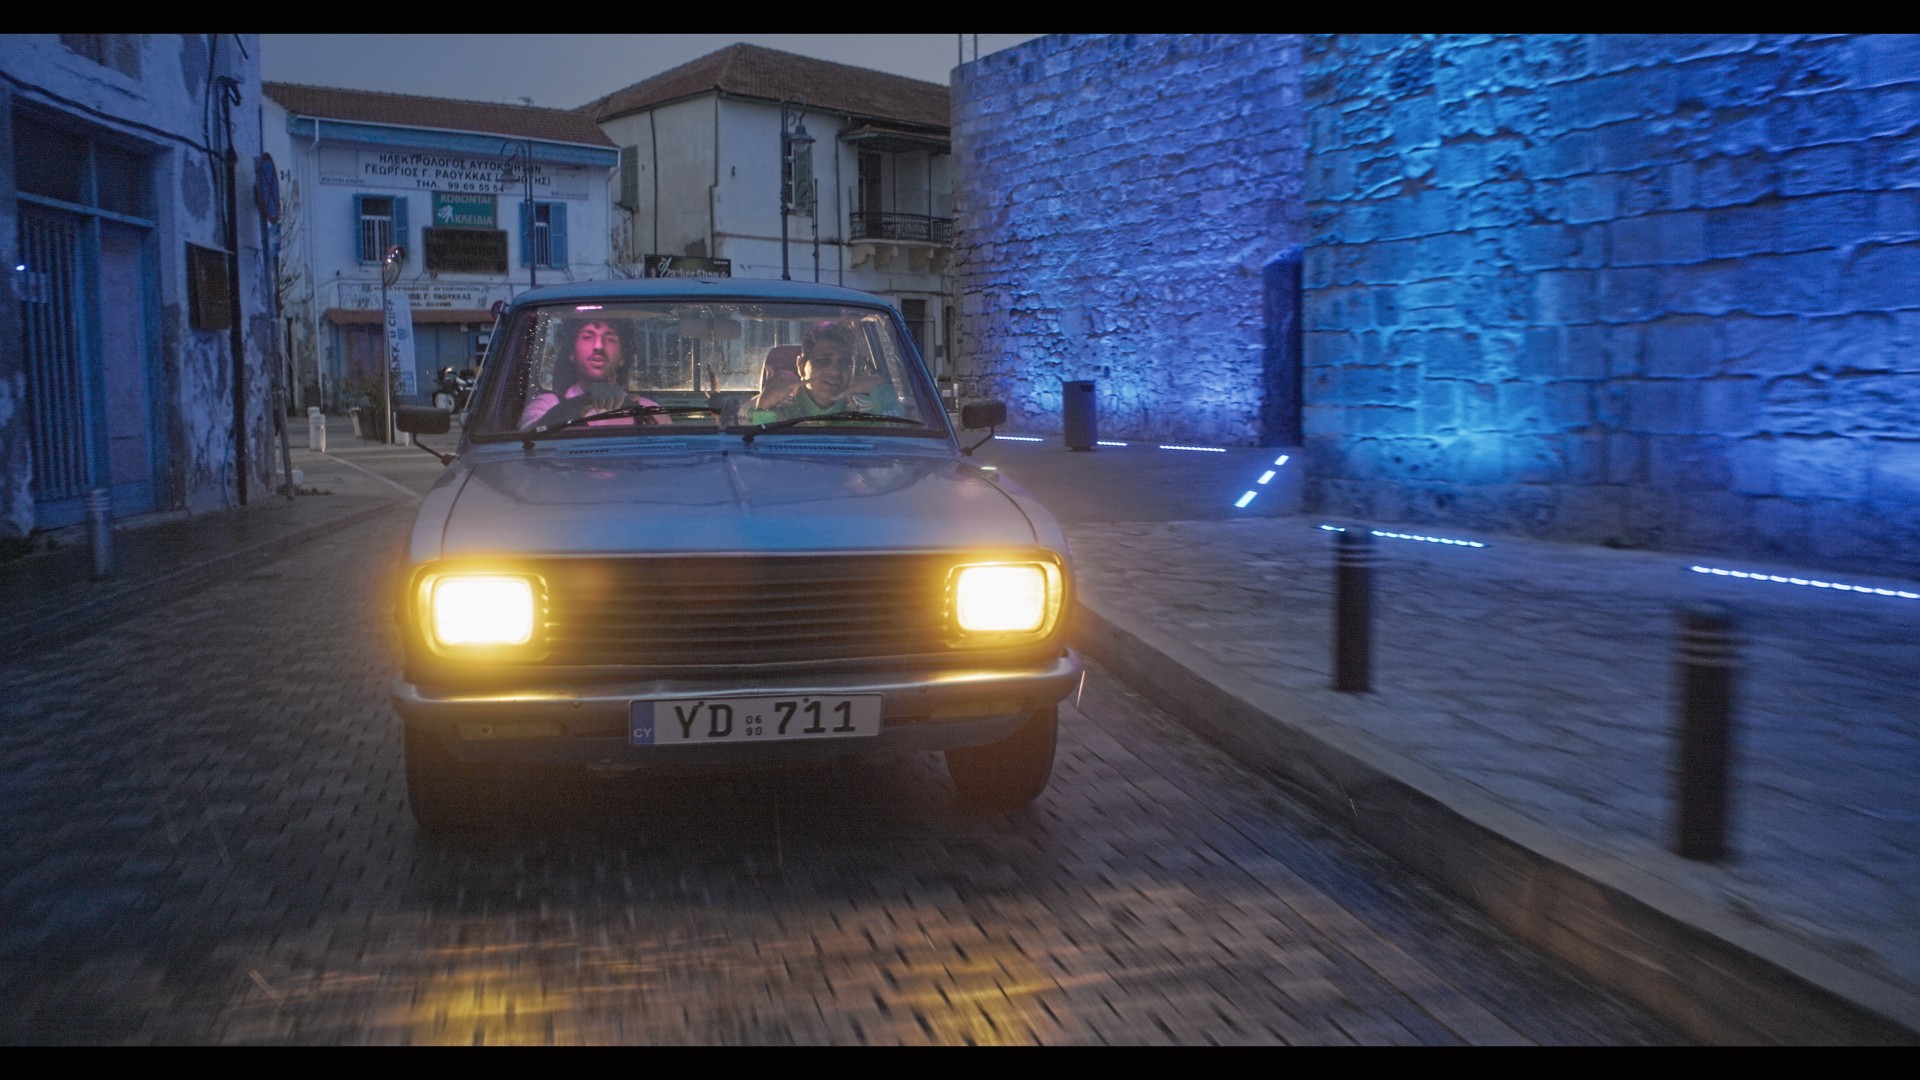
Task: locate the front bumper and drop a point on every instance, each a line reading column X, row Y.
column 587, row 724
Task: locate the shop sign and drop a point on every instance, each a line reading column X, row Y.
column 452, row 173
column 421, row 296
column 670, row 266
column 465, row 251
column 457, row 211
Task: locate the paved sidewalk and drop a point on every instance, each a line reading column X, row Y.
column 50, row 596
column 1516, row 745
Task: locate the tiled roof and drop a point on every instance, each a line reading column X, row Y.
column 756, row 72
column 445, row 114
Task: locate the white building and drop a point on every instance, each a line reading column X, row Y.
column 133, row 343
column 485, row 200
column 700, row 181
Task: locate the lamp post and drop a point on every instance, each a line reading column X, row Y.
column 389, row 273
column 793, row 137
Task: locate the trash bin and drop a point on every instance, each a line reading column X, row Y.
column 1077, row 414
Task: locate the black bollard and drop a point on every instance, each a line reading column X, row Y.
column 1353, row 611
column 1703, row 687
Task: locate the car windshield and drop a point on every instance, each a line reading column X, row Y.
column 668, row 367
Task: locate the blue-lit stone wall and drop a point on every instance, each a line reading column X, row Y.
column 1117, row 200
column 1645, row 290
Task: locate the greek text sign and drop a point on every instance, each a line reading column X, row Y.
column 460, row 211
column 421, row 296
column 453, row 173
column 465, row 251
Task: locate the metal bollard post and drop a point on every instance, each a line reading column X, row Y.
column 1353, row 611
column 99, row 504
column 316, row 429
column 1703, row 686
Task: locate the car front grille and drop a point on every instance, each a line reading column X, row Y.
column 702, row 611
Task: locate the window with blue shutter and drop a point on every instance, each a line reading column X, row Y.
column 556, row 235
column 543, row 234
column 379, row 222
column 629, row 178
column 400, row 225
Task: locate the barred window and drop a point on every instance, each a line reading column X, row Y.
column 380, row 222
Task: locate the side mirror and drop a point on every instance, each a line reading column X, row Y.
column 422, row 420
column 973, row 416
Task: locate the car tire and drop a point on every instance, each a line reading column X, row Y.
column 448, row 795
column 1011, row 773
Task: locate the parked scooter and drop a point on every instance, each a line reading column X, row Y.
column 453, row 390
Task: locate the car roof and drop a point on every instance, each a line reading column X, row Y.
column 695, row 288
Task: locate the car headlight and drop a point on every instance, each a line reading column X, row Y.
column 476, row 614
column 1004, row 602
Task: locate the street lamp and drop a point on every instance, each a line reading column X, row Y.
column 390, row 265
column 793, row 137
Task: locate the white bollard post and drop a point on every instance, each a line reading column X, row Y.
column 99, row 503
column 316, row 429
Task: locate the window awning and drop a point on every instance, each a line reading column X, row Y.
column 371, row 316
column 895, row 140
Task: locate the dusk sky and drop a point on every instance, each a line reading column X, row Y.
column 563, row 71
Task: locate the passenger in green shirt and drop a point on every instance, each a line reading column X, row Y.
column 827, row 383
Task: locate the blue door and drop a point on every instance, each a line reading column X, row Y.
column 88, row 372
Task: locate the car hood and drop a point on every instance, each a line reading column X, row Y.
column 761, row 499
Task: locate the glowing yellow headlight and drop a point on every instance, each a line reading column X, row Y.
column 1000, row 599
column 482, row 609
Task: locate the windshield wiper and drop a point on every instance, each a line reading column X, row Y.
column 777, row 425
column 623, row 413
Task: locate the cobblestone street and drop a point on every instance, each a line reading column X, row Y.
column 211, row 845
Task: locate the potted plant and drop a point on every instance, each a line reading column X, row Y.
column 366, row 403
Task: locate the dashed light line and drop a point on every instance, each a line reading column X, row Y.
column 1104, row 442
column 1019, row 438
column 1264, row 478
column 1202, row 449
column 1412, row 536
column 1813, row 583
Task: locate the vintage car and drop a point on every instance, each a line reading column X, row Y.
column 721, row 521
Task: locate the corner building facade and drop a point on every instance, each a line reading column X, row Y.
column 135, row 314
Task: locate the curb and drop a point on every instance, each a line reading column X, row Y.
column 87, row 617
column 1720, row 979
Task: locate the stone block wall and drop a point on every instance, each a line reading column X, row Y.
column 1117, row 199
column 1645, row 290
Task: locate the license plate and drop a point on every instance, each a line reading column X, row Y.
column 760, row 718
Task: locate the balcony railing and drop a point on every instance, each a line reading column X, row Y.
column 874, row 225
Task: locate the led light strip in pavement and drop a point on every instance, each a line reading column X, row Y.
column 1412, row 536
column 1809, row 582
column 1264, row 478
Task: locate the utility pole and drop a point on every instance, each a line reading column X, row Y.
column 229, row 90
column 390, row 265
